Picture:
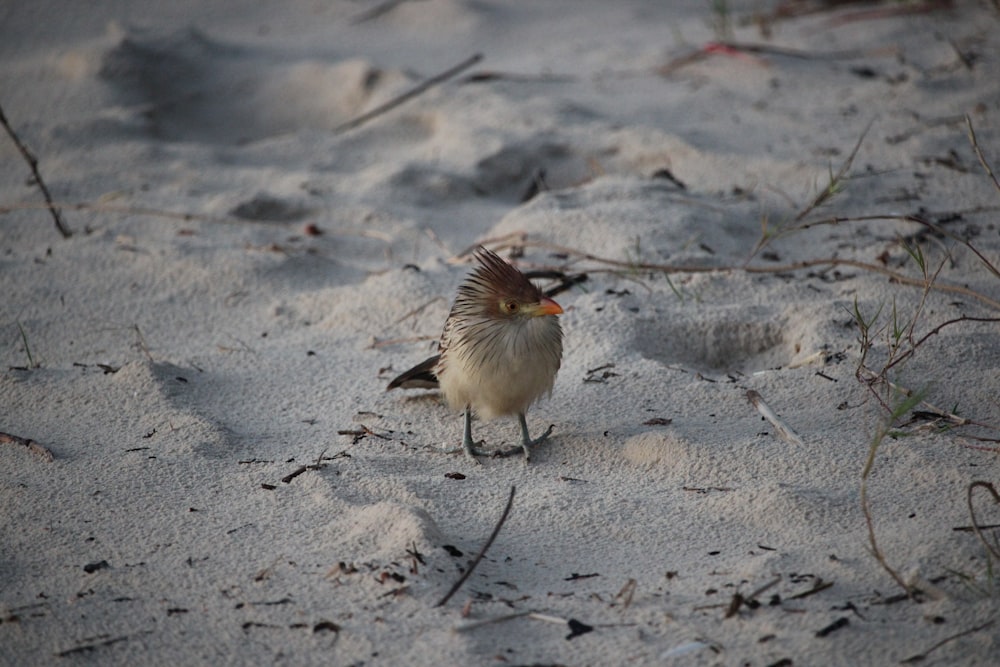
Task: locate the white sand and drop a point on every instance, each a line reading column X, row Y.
column 241, row 345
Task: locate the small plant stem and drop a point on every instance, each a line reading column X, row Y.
column 979, row 152
column 27, row 348
column 883, row 429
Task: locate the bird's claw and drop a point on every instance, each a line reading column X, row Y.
column 544, row 436
column 470, row 450
column 528, row 444
column 524, row 447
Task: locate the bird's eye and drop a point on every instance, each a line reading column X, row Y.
column 510, row 306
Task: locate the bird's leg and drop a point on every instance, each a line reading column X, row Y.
column 526, row 441
column 468, row 445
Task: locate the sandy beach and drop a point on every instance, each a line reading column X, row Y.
column 773, row 231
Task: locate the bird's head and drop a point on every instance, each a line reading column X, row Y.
column 497, row 290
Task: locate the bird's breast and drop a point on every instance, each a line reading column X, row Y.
column 500, row 367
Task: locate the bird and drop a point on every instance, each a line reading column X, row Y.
column 499, row 352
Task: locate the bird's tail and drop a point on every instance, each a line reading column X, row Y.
column 420, row 376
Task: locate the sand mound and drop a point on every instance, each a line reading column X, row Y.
column 191, row 87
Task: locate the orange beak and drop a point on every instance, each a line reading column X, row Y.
column 549, row 307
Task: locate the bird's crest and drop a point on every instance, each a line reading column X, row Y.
column 493, row 280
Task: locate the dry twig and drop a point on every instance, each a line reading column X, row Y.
column 979, row 152
column 408, row 95
column 482, row 552
column 992, row 548
column 783, row 429
column 626, row 593
column 738, row 600
column 32, row 161
column 920, row 657
column 784, row 268
column 35, row 448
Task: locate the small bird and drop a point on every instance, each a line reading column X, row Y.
column 499, row 352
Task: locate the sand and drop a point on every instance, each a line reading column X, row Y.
column 205, row 357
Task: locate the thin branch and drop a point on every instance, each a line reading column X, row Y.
column 408, row 95
column 954, row 419
column 490, row 621
column 784, row 430
column 907, row 9
column 994, row 551
column 90, row 648
column 32, row 161
column 833, row 186
column 875, row 268
column 375, row 344
column 418, row 310
column 818, row 587
column 626, row 593
column 482, row 552
column 141, row 343
column 768, row 49
column 938, row 229
column 376, row 11
column 784, row 268
column 920, row 657
column 915, row 344
column 916, row 219
column 512, row 240
column 738, row 600
column 35, row 448
column 979, row 152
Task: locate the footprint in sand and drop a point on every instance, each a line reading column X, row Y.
column 718, row 340
column 190, row 87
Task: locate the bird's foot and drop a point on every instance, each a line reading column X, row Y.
column 471, row 451
column 527, row 444
column 468, row 444
column 523, row 448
